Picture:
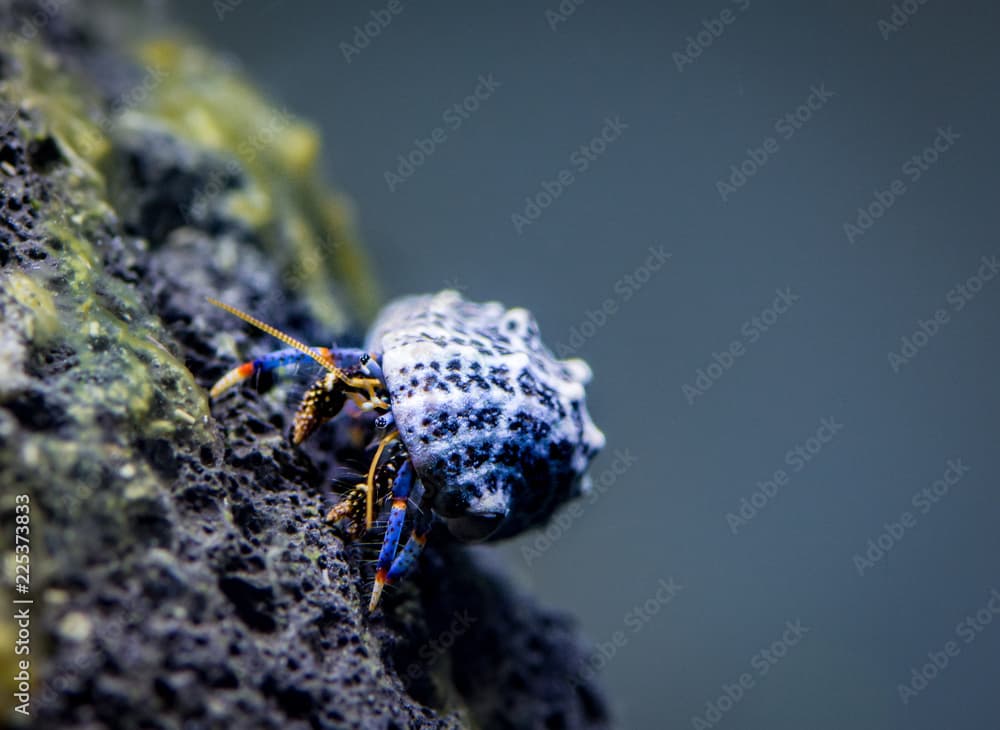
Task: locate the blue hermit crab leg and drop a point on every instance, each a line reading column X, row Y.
column 394, row 528
column 270, row 361
column 407, row 557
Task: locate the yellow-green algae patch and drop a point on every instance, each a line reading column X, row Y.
column 42, row 319
column 120, row 364
column 44, row 87
column 306, row 229
column 120, row 383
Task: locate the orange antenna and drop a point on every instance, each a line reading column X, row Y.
column 274, row 332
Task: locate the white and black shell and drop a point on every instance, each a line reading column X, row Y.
column 496, row 427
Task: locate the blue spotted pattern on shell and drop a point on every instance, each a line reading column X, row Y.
column 496, row 426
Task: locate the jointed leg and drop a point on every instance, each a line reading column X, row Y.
column 353, row 503
column 351, row 507
column 394, row 527
column 341, row 357
column 266, row 363
column 370, row 504
column 407, row 557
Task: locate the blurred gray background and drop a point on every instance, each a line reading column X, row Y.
column 774, row 610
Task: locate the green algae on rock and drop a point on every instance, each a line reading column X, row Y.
column 58, row 217
column 305, row 229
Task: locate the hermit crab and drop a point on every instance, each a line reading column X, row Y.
column 473, row 421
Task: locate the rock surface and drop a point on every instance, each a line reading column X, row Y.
column 181, row 573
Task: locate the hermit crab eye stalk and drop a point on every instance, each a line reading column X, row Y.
column 474, row 421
